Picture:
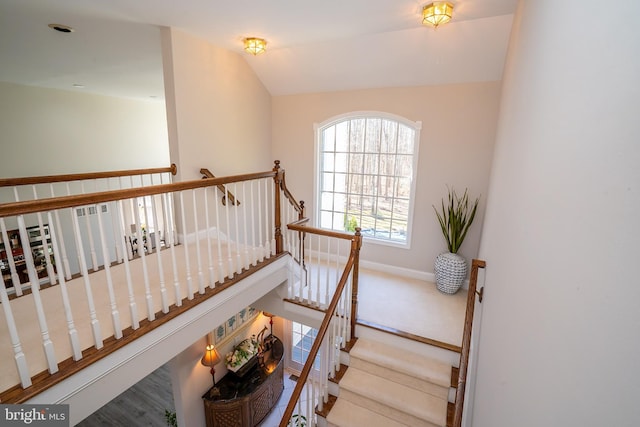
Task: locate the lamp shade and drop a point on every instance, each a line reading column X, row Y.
column 437, row 13
column 254, row 45
column 211, row 356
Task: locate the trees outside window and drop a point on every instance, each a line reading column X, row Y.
column 366, row 175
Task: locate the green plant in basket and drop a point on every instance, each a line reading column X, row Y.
column 455, row 218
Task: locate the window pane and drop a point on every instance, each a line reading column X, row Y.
column 404, row 188
column 371, row 163
column 356, row 163
column 341, row 162
column 340, row 182
column 387, row 187
column 326, row 219
column 355, row 184
column 328, row 139
column 406, row 137
column 327, row 201
column 357, row 135
column 369, row 184
column 388, row 165
column 389, row 136
column 327, row 182
column 342, row 136
column 372, row 142
column 327, row 162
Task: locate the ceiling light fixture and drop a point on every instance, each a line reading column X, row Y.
column 437, row 13
column 254, row 45
column 61, row 28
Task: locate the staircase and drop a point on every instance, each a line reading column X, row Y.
column 387, row 386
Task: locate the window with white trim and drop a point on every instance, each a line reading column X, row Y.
column 366, row 168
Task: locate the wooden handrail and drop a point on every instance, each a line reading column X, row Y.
column 356, row 243
column 43, row 205
column 283, row 184
column 45, row 179
column 297, row 226
column 466, row 341
column 207, row 174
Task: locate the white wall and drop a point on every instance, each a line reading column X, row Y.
column 559, row 335
column 456, row 146
column 49, row 131
column 219, row 113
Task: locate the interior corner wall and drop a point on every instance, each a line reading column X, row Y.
column 50, row 131
column 456, row 147
column 218, row 111
column 559, row 332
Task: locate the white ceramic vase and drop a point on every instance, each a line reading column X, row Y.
column 450, row 271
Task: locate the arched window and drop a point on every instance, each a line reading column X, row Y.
column 366, row 168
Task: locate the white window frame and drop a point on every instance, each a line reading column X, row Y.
column 416, row 126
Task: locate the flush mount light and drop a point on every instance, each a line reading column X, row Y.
column 437, row 13
column 254, row 45
column 61, row 28
column 78, row 86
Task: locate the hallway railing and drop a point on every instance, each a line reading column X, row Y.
column 56, row 314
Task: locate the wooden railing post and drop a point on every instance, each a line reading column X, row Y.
column 466, row 341
column 356, row 244
column 277, row 179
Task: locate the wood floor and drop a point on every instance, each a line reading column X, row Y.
column 141, row 405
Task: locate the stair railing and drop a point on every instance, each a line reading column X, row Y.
column 206, row 173
column 466, row 339
column 336, row 329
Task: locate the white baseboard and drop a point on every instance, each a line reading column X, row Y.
column 404, row 272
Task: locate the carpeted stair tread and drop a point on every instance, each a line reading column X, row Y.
column 406, row 362
column 369, row 390
column 346, row 414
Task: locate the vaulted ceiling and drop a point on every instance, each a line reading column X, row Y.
column 312, row 47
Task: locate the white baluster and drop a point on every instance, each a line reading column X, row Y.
column 115, row 314
column 63, row 249
column 267, row 227
column 260, row 206
column 73, row 333
column 186, row 249
column 230, row 272
column 95, row 323
column 244, row 221
column 133, row 306
column 18, row 355
column 218, row 237
column 212, row 276
column 151, row 315
column 273, row 234
column 238, row 249
column 163, row 291
column 15, row 279
column 35, row 291
column 170, row 240
column 92, row 248
column 327, row 274
column 197, row 235
column 254, row 256
column 114, row 228
column 318, row 281
column 45, row 245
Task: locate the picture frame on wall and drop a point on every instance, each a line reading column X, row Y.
column 234, row 324
column 219, row 334
column 231, row 324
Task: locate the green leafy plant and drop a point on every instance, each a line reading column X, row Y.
column 170, row 418
column 298, row 420
column 455, row 218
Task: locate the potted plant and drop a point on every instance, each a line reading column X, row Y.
column 455, row 219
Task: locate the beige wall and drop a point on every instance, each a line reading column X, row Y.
column 456, row 147
column 559, row 334
column 49, row 131
column 219, row 113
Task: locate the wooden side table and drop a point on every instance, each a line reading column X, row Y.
column 245, row 401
